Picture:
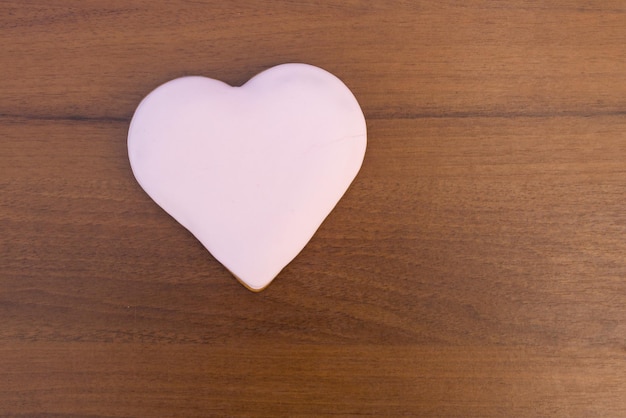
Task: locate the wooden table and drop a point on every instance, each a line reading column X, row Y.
column 475, row 268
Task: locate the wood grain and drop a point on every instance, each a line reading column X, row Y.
column 476, row 267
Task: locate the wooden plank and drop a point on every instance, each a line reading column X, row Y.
column 310, row 380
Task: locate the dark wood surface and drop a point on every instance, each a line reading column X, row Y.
column 476, row 267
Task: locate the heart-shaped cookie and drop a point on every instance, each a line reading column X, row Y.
column 251, row 171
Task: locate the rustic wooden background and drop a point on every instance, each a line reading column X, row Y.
column 476, row 267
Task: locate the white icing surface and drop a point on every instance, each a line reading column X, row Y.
column 251, row 171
